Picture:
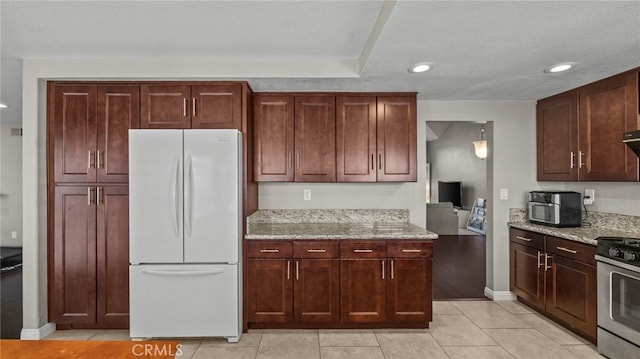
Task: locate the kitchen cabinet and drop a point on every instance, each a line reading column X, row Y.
column 363, row 285
column 327, row 138
column 556, row 276
column 316, row 289
column 294, row 138
column 339, row 284
column 89, row 285
column 88, row 126
column 579, row 132
column 192, row 105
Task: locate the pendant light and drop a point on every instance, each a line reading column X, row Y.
column 481, row 146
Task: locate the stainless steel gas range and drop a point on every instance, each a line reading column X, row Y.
column 618, row 263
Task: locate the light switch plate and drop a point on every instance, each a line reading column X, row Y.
column 504, row 194
column 307, row 195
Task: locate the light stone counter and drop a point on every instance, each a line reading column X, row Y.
column 598, row 225
column 334, row 224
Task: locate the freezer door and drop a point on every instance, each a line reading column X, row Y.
column 155, row 196
column 212, row 205
column 185, row 301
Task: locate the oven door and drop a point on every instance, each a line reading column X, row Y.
column 618, row 293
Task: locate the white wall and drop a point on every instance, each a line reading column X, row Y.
column 452, row 158
column 10, row 186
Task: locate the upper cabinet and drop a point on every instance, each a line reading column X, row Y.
column 343, row 138
column 294, row 138
column 579, row 133
column 207, row 105
column 89, row 125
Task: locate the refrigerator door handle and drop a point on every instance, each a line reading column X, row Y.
column 174, row 196
column 188, row 189
column 182, row 272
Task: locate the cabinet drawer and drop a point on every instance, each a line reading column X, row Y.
column 570, row 249
column 363, row 249
column 526, row 238
column 316, row 249
column 409, row 249
column 269, row 249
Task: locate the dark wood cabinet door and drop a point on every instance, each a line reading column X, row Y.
column 118, row 111
column 607, row 109
column 527, row 274
column 112, row 251
column 73, row 126
column 557, row 138
column 571, row 294
column 397, row 135
column 273, row 137
column 315, row 139
column 165, row 106
column 73, row 278
column 216, row 106
column 363, row 290
column 317, row 291
column 356, row 138
column 270, row 291
column 409, row 290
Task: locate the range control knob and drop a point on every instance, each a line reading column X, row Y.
column 631, row 256
column 614, row 252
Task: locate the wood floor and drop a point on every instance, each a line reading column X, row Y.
column 11, row 303
column 459, row 267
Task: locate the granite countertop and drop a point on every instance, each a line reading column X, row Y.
column 319, row 224
column 584, row 234
column 319, row 231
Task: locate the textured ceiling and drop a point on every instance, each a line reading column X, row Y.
column 480, row 50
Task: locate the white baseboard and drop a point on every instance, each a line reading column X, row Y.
column 37, row 334
column 499, row 295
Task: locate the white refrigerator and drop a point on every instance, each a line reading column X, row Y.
column 185, row 194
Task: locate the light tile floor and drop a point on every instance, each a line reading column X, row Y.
column 460, row 329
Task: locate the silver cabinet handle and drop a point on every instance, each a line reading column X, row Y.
column 99, row 195
column 580, row 153
column 567, row 250
column 193, row 110
column 392, row 269
column 269, row 251
column 363, row 251
column 90, row 164
column 297, row 161
column 411, row 250
column 379, row 161
column 290, row 160
column 372, row 162
column 382, row 269
column 573, row 159
column 524, row 238
column 288, row 269
column 297, row 270
column 539, row 261
column 546, row 262
column 184, row 107
column 98, row 159
column 88, row 196
column 316, row 250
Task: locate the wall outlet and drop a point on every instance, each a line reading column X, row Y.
column 504, row 194
column 589, row 196
column 307, row 195
column 14, row 234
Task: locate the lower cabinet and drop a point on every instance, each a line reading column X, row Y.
column 339, row 283
column 90, row 278
column 557, row 277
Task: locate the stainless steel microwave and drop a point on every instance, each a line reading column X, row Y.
column 555, row 208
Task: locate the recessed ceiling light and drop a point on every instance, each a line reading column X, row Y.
column 559, row 67
column 3, row 105
column 419, row 67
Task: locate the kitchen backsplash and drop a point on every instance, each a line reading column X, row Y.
column 615, row 221
column 329, row 216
